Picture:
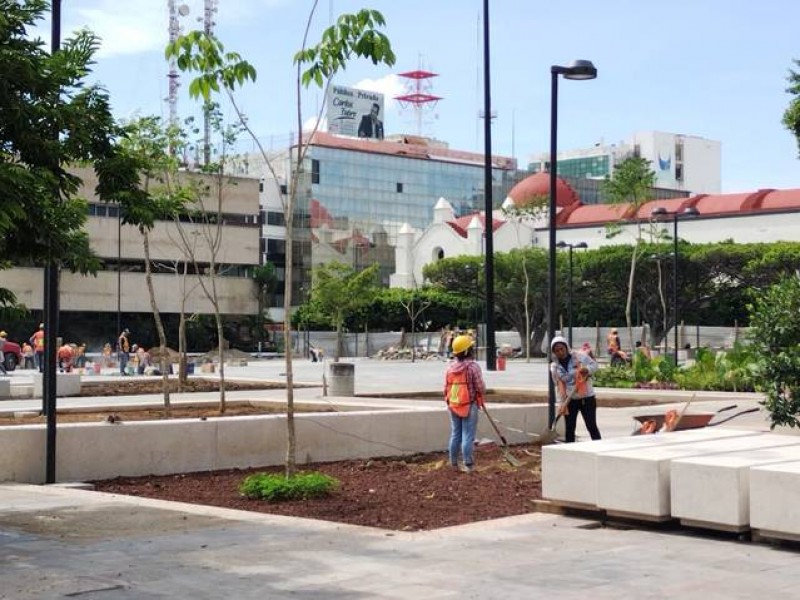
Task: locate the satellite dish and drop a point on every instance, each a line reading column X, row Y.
column 183, row 10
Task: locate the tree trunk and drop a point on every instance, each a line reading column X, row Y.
column 629, row 302
column 182, row 331
column 162, row 338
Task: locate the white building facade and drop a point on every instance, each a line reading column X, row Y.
column 680, row 162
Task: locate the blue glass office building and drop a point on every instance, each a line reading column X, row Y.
column 360, row 193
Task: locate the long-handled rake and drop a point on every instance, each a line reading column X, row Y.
column 510, row 458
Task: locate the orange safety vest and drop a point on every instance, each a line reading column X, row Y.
column 38, row 341
column 457, row 393
column 581, row 385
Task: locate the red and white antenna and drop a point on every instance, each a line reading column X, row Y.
column 417, row 95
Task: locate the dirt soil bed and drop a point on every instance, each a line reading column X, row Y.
column 421, row 492
column 153, row 413
column 135, row 387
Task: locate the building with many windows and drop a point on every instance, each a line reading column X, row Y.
column 94, row 307
column 355, row 196
column 683, row 163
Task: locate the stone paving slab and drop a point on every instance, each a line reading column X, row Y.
column 55, row 542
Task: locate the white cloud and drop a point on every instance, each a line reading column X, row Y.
column 142, row 26
column 390, row 86
column 308, row 124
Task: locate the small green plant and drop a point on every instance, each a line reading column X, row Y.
column 277, row 487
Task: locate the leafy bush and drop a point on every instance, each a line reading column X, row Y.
column 775, row 332
column 617, row 377
column 276, row 487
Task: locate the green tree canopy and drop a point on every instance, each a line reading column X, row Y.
column 791, row 117
column 51, row 118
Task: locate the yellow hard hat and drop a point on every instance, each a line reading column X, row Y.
column 3, row 334
column 462, row 343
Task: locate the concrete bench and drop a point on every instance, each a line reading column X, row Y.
column 67, row 384
column 569, row 471
column 775, row 501
column 714, row 491
column 636, row 483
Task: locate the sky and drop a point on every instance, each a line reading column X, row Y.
column 711, row 68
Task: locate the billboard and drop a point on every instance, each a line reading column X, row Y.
column 353, row 112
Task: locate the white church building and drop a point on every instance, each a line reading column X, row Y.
column 766, row 215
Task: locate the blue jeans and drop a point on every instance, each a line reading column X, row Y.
column 123, row 361
column 462, row 435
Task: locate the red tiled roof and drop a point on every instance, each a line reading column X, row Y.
column 781, row 200
column 422, row 151
column 598, row 213
column 461, row 224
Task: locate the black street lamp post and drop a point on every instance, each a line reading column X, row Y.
column 579, row 245
column 491, row 361
column 578, row 70
column 689, row 211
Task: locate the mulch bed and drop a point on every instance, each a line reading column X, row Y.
column 419, row 492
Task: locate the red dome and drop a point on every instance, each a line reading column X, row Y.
column 538, row 185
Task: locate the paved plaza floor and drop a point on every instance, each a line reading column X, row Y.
column 60, row 542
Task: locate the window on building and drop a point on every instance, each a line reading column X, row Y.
column 284, row 189
column 637, row 150
column 679, row 172
column 276, row 249
column 275, row 218
column 314, row 170
column 261, row 185
column 399, row 188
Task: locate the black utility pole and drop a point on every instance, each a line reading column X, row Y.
column 491, row 353
column 51, row 301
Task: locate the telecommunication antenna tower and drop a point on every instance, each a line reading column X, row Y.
column 174, row 32
column 209, row 9
column 418, row 86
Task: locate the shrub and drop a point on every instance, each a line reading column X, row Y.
column 775, row 332
column 275, row 487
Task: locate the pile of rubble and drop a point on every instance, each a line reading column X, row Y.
column 392, row 353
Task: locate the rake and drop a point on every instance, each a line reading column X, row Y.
column 510, row 458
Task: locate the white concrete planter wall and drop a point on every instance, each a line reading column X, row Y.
column 88, row 451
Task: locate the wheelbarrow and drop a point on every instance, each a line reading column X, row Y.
column 694, row 420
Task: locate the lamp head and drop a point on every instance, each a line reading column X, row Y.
column 581, row 245
column 561, row 244
column 580, row 69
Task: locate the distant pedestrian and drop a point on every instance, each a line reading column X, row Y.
column 2, row 355
column 37, row 341
column 27, row 356
column 123, row 348
column 464, row 393
column 65, row 356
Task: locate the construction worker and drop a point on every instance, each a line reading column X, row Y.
column 464, row 392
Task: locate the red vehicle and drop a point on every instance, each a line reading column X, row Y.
column 12, row 354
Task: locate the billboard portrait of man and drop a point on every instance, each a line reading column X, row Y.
column 371, row 126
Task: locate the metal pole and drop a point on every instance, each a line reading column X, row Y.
column 569, row 306
column 675, row 282
column 119, row 271
column 491, row 358
column 51, row 312
column 551, row 265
